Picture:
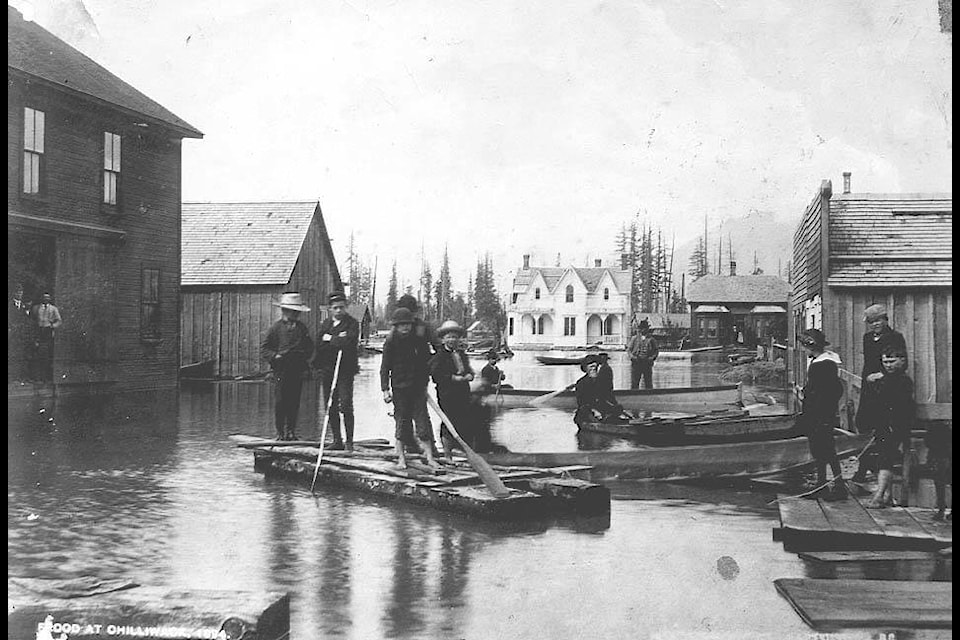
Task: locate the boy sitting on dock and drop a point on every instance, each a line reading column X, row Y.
column 821, row 399
column 403, row 379
column 894, row 421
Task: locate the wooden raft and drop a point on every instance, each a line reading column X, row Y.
column 534, row 492
column 836, row 604
column 807, row 524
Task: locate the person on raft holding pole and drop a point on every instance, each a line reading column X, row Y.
column 595, row 404
column 819, row 416
column 452, row 374
column 404, row 374
column 288, row 348
column 338, row 334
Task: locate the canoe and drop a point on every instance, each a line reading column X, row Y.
column 685, row 399
column 558, row 360
column 731, row 426
column 740, row 459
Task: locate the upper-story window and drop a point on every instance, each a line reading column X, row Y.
column 514, row 299
column 33, row 132
column 111, row 167
column 536, row 293
column 606, row 293
column 569, row 293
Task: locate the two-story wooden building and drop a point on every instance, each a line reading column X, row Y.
column 743, row 310
column 569, row 306
column 238, row 258
column 852, row 250
column 93, row 211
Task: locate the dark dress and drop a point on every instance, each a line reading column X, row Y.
column 821, row 399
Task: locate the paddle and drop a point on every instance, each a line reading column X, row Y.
column 539, row 400
column 483, row 469
column 326, row 418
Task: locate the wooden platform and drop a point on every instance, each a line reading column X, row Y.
column 534, row 492
column 808, row 525
column 87, row 607
column 828, row 605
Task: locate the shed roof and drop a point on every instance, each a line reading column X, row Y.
column 33, row 50
column 891, row 240
column 747, row 288
column 236, row 243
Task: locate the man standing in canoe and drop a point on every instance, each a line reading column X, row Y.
column 338, row 334
column 404, row 374
column 288, row 349
column 643, row 352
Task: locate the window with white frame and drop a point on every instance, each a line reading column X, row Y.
column 606, row 293
column 33, row 133
column 539, row 330
column 536, row 293
column 111, row 167
column 569, row 326
column 569, row 293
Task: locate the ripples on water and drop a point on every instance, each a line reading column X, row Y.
column 149, row 488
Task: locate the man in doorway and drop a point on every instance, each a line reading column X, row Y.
column 47, row 319
column 19, row 336
column 288, row 349
column 338, row 334
column 643, row 352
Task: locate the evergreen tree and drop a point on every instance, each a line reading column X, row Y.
column 391, row 293
column 442, row 289
column 426, row 285
column 698, row 260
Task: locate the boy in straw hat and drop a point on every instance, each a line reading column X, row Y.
column 287, row 348
column 451, row 372
column 338, row 334
column 819, row 416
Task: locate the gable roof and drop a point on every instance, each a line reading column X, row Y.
column 359, row 311
column 242, row 242
column 590, row 276
column 34, row 51
column 714, row 288
column 891, row 239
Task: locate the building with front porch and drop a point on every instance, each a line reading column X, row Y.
column 742, row 310
column 569, row 306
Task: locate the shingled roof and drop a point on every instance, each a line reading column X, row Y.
column 237, row 243
column 713, row 288
column 590, row 276
column 34, row 51
column 891, row 240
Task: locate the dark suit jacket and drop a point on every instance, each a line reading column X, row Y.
column 344, row 337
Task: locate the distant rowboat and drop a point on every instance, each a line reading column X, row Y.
column 558, row 360
column 684, row 399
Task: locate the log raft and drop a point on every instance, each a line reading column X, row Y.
column 456, row 487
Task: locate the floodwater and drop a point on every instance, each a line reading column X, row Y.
column 149, row 488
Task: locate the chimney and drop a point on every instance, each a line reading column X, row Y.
column 624, row 261
column 846, row 182
column 733, row 268
column 526, row 261
column 597, row 262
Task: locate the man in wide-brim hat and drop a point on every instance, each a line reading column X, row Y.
column 404, row 374
column 452, row 374
column 287, row 348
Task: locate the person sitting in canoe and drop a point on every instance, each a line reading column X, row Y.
column 594, row 403
column 491, row 376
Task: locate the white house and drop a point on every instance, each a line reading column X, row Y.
column 569, row 306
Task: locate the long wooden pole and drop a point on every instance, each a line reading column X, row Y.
column 481, row 466
column 326, row 417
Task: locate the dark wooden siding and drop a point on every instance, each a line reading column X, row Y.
column 149, row 216
column 316, row 274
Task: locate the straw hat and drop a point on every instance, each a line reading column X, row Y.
column 291, row 301
column 447, row 327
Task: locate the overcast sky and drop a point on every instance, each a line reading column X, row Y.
column 533, row 126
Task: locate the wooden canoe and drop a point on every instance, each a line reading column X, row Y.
column 683, row 399
column 720, row 428
column 742, row 459
column 558, row 360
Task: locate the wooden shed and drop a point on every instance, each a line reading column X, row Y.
column 237, row 260
column 855, row 249
column 745, row 310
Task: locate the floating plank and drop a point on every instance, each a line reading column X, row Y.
column 849, row 516
column 837, row 604
column 868, row 556
column 141, row 612
column 941, row 531
column 800, row 514
column 897, row 523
